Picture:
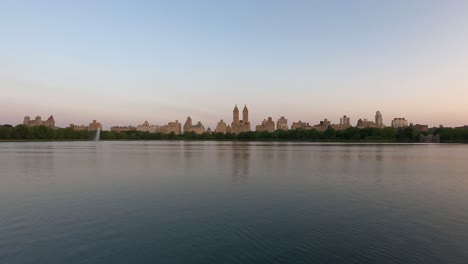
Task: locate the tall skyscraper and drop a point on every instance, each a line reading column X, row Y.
column 235, row 114
column 378, row 119
column 245, row 114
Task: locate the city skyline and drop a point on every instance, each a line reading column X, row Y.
column 126, row 62
column 238, row 125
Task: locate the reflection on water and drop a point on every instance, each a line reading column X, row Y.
column 240, row 162
column 232, row 202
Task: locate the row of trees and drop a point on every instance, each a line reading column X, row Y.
column 388, row 134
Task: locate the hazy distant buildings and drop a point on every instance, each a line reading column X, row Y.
column 146, row 127
column 189, row 127
column 221, row 127
column 238, row 126
column 50, row 122
column 399, row 122
column 282, row 124
column 267, row 125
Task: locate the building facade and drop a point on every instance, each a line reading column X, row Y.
column 399, row 122
column 282, row 124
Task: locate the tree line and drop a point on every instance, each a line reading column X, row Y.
column 352, row 134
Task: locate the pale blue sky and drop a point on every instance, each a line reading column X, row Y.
column 123, row 62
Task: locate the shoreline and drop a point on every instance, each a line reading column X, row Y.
column 235, row 140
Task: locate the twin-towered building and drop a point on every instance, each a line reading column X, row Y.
column 238, row 126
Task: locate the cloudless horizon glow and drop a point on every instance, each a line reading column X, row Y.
column 124, row 62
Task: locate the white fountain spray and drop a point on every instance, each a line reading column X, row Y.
column 98, row 134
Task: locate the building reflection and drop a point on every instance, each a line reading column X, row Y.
column 240, row 161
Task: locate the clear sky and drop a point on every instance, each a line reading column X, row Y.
column 123, row 62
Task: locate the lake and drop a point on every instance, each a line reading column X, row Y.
column 232, row 202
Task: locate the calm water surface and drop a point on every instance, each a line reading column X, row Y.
column 209, row 202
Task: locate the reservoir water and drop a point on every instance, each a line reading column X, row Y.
column 232, row 202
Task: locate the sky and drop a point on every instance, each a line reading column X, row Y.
column 124, row 62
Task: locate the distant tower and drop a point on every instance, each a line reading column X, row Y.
column 245, row 114
column 235, row 114
column 378, row 119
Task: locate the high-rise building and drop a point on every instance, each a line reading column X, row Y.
column 378, row 119
column 282, row 124
column 237, row 125
column 235, row 115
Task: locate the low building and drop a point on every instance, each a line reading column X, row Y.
column 267, row 125
column 282, row 124
column 146, row 127
column 50, row 122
